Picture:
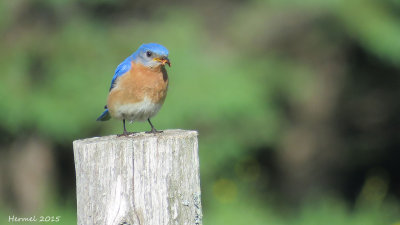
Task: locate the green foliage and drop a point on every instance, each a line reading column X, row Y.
column 320, row 211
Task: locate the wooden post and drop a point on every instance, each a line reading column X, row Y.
column 144, row 179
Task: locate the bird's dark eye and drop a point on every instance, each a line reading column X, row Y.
column 148, row 53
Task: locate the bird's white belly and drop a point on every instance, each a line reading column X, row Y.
column 139, row 111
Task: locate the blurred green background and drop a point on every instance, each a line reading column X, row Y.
column 296, row 102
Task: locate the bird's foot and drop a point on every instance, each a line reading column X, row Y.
column 125, row 134
column 154, row 131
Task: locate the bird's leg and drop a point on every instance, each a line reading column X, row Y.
column 153, row 130
column 126, row 133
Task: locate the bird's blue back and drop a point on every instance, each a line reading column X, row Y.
column 122, row 68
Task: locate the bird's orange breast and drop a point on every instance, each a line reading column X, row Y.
column 138, row 83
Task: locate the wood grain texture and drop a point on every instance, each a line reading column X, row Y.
column 144, row 179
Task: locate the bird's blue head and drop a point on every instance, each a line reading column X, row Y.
column 152, row 55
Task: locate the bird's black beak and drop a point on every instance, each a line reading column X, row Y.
column 163, row 60
column 168, row 62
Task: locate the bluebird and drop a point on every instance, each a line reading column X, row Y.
column 139, row 86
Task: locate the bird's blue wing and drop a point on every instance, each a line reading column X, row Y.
column 122, row 68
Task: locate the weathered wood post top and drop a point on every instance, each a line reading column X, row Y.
column 142, row 179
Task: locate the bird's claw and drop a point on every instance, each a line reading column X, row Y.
column 125, row 134
column 154, row 131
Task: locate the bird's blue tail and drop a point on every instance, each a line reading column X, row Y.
column 104, row 116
